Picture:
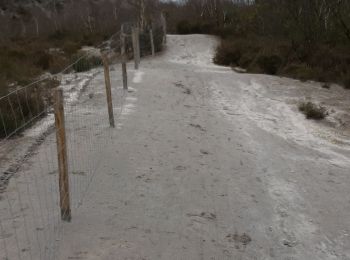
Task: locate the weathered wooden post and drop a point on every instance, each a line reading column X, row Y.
column 152, row 41
column 136, row 46
column 62, row 156
column 108, row 90
column 163, row 22
column 123, row 56
column 133, row 38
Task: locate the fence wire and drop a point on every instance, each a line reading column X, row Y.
column 30, row 214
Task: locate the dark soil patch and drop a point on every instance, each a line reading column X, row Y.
column 239, row 239
column 198, row 126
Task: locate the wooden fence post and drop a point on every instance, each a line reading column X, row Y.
column 133, row 38
column 62, row 156
column 152, row 41
column 163, row 21
column 136, row 46
column 108, row 90
column 123, row 56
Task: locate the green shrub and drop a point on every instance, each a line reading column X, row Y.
column 313, row 111
column 269, row 64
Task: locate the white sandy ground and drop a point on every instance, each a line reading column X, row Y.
column 204, row 163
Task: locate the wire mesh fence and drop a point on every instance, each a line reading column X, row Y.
column 31, row 216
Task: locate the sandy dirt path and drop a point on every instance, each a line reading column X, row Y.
column 209, row 164
column 209, row 167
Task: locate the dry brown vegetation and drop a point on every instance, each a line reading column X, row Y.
column 280, row 57
column 40, row 36
column 313, row 111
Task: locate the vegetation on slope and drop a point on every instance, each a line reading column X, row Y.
column 308, row 40
column 45, row 36
column 313, row 111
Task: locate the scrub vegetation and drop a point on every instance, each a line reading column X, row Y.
column 307, row 40
column 313, row 111
column 38, row 37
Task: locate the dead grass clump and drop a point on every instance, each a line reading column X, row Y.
column 313, row 111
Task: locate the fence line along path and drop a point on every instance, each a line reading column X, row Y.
column 51, row 134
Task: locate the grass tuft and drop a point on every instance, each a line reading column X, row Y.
column 313, row 111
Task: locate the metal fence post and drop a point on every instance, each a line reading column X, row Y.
column 62, row 156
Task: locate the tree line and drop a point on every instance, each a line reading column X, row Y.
column 27, row 18
column 39, row 36
column 307, row 39
column 308, row 20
